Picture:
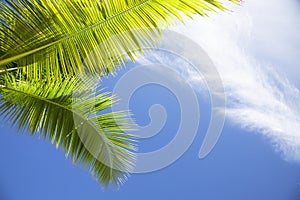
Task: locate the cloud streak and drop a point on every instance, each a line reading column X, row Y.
column 260, row 96
column 256, row 58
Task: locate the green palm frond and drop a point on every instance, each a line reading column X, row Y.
column 39, row 36
column 75, row 118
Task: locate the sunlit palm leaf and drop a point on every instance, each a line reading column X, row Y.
column 40, row 35
column 74, row 118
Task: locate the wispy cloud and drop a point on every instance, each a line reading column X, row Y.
column 255, row 50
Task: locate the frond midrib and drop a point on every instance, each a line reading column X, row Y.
column 11, row 59
column 105, row 140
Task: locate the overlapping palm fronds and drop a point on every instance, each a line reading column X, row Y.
column 40, row 35
column 43, row 44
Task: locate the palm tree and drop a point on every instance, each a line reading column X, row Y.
column 42, row 46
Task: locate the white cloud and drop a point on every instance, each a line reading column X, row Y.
column 255, row 48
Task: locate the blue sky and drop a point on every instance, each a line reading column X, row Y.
column 257, row 156
column 242, row 166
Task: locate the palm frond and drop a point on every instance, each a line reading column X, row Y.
column 74, row 118
column 39, row 36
